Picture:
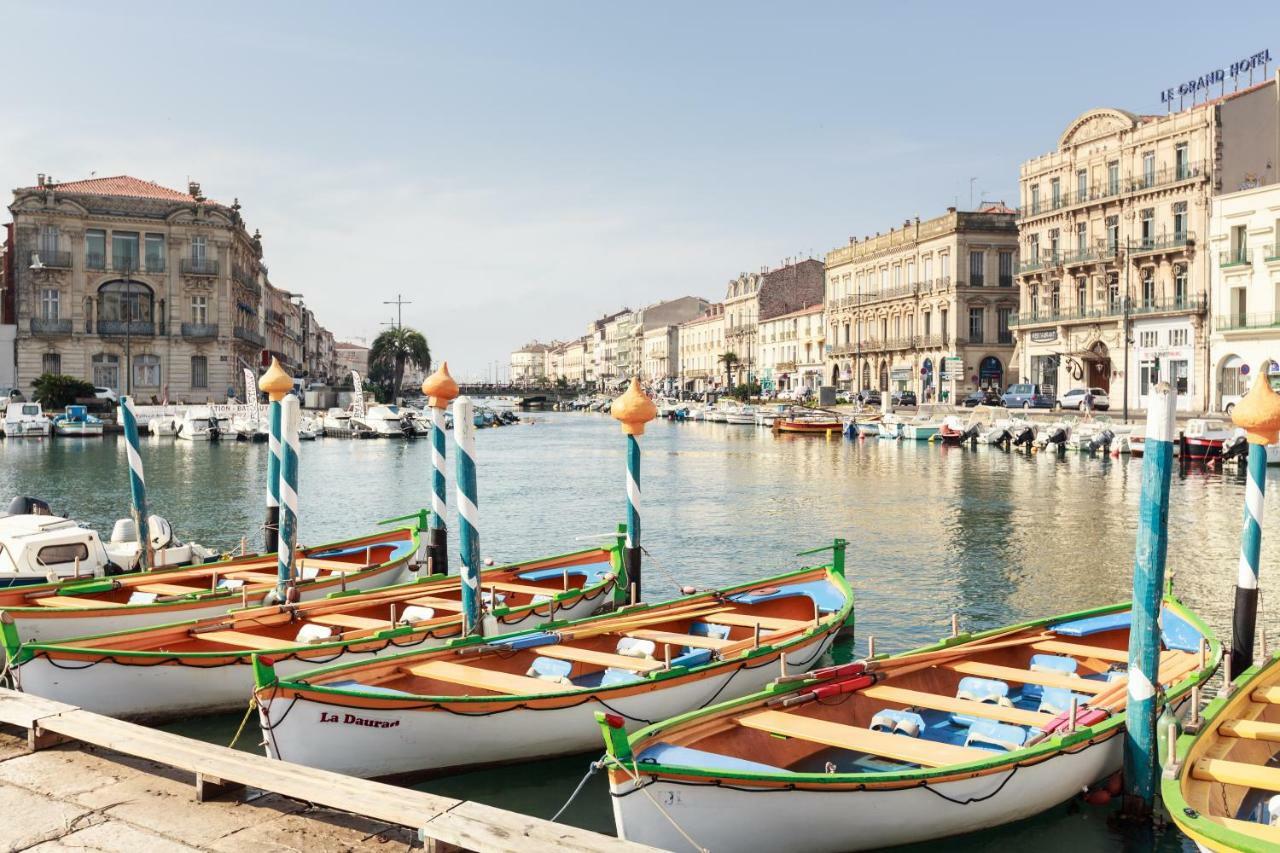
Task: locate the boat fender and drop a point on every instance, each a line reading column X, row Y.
column 1115, row 784
column 840, row 688
column 1098, row 797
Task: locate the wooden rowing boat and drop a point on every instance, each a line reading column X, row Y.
column 527, row 696
column 1223, row 791
column 47, row 612
column 203, row 666
column 962, row 736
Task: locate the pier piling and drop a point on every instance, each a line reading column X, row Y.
column 633, row 410
column 137, row 483
column 288, row 495
column 441, row 390
column 464, row 437
column 275, row 383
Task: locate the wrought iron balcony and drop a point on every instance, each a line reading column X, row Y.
column 1235, row 258
column 155, row 263
column 1236, row 322
column 1164, row 243
column 121, row 328
column 785, row 366
column 1272, row 252
column 200, row 331
column 41, row 326
column 95, row 261
column 251, row 336
column 1110, row 310
column 52, row 258
column 1046, row 259
column 198, row 266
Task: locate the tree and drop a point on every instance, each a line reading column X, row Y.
column 392, row 352
column 730, row 360
column 56, row 391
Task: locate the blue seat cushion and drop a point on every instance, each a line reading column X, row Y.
column 592, row 572
column 994, row 735
column 1057, row 700
column 692, row 658
column 979, row 690
column 821, row 592
column 1175, row 631
column 352, row 684
column 614, row 676
column 550, row 668
column 683, row 756
column 1048, row 663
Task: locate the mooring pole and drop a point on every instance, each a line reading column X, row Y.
column 441, row 391
column 633, row 410
column 464, row 437
column 1141, row 756
column 275, row 383
column 288, row 495
column 1259, row 415
column 137, row 484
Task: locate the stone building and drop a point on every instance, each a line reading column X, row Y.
column 661, row 358
column 700, row 344
column 1112, row 229
column 753, row 297
column 348, row 357
column 792, row 350
column 140, row 288
column 529, row 364
column 1244, row 244
column 898, row 303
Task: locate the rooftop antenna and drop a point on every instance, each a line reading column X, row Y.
column 972, row 181
column 399, row 302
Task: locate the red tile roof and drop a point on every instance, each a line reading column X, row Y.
column 120, row 185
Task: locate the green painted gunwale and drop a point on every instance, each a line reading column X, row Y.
column 265, row 676
column 1044, row 748
column 1171, row 789
column 20, row 653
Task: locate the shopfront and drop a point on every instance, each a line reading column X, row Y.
column 991, row 374
column 1164, row 351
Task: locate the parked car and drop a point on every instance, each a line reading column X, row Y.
column 869, row 397
column 844, row 397
column 10, row 395
column 106, row 394
column 905, row 398
column 1026, row 395
column 1075, row 399
column 982, row 397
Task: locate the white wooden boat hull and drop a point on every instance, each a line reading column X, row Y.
column 106, row 620
column 26, row 430
column 746, row 418
column 377, row 742
column 151, row 693
column 79, row 430
column 915, row 432
column 722, row 818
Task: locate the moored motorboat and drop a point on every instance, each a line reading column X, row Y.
column 532, row 695
column 77, row 423
column 966, row 735
column 25, row 420
column 203, row 666
column 386, row 422
column 341, row 423
column 201, row 423
column 1204, row 438
column 803, row 421
column 741, row 415
column 1223, row 789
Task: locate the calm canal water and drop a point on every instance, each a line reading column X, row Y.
column 993, row 536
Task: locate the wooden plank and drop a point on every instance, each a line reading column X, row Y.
column 953, row 705
column 525, row 588
column 76, row 603
column 692, row 640
column 1262, row 832
column 486, row 679
column 339, row 566
column 1028, row 676
column 253, row 577
column 898, row 747
column 344, row 620
column 23, row 709
column 244, row 640
column 591, row 656
column 169, row 589
column 1251, row 730
column 437, row 603
column 769, row 623
column 1269, row 695
column 1237, row 773
column 1081, row 651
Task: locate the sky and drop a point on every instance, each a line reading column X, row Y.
column 516, row 170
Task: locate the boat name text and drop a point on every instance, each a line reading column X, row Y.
column 353, row 720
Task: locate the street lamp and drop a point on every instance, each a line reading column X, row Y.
column 128, row 324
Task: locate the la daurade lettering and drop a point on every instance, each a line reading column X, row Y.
column 353, row 720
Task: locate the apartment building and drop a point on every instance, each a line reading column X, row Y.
column 700, row 343
column 529, row 364
column 792, row 352
column 753, row 297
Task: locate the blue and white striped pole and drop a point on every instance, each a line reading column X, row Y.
column 633, row 410
column 464, row 437
column 137, row 484
column 441, row 391
column 1259, row 415
column 1141, row 756
column 289, row 416
column 275, row 383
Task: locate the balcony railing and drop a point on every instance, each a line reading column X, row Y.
column 1272, row 252
column 1163, row 243
column 1193, row 304
column 785, row 366
column 1162, row 177
column 122, row 328
column 1230, row 322
column 198, row 266
column 1236, row 258
column 1046, row 259
column 95, row 261
column 200, row 331
column 275, row 317
column 250, row 335
column 155, row 263
column 41, row 326
column 52, row 258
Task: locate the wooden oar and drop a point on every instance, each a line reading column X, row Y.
column 692, row 611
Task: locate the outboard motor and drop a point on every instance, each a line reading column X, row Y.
column 1004, row 439
column 215, row 432
column 1101, row 441
column 971, row 435
column 1058, row 436
column 1237, row 448
column 1025, row 437
column 406, row 426
column 23, row 505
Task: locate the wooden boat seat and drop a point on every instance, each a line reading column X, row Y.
column 693, row 641
column 1078, row 650
column 923, row 752
column 1237, row 773
column 253, row 577
column 1028, row 676
column 343, row 620
column 952, row 705
column 768, row 623
column 1250, row 730
column 244, row 640
column 169, row 589
column 486, row 679
column 599, row 658
column 339, row 566
column 436, row 603
column 1268, row 695
column 1260, row 831
column 525, row 588
column 71, row 601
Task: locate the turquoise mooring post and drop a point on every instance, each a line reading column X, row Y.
column 137, row 484
column 1141, row 757
column 633, row 410
column 464, row 437
column 441, row 391
column 1259, row 415
column 275, row 383
column 289, row 447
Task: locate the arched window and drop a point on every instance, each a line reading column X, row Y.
column 120, row 302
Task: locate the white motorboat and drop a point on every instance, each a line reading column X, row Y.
column 341, row 423
column 766, row 415
column 716, row 413
column 163, row 425
column 742, row 415
column 77, row 423
column 200, row 423
column 250, row 428
column 1057, row 434
column 25, row 420
column 385, row 422
column 309, row 429
column 419, row 421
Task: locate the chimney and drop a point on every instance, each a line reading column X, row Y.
column 40, row 179
column 951, row 210
column 193, row 189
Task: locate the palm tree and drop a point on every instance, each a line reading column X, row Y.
column 730, row 361
column 394, row 350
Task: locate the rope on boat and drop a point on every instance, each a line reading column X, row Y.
column 644, row 789
column 253, row 703
column 591, row 770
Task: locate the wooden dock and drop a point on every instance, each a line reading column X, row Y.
column 440, row 823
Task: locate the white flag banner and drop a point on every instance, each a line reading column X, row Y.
column 357, row 405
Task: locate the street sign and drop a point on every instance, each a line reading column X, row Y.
column 953, row 364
